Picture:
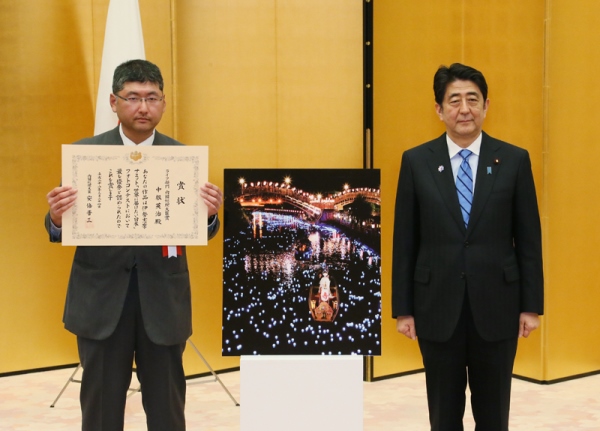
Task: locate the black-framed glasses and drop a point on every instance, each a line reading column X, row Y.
column 134, row 100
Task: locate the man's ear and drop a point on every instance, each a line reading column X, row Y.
column 439, row 111
column 113, row 102
column 486, row 106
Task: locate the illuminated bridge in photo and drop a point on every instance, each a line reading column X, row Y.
column 265, row 193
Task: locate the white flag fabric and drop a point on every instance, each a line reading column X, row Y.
column 123, row 40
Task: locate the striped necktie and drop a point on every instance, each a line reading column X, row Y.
column 464, row 185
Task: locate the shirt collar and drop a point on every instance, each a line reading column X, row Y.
column 453, row 148
column 130, row 143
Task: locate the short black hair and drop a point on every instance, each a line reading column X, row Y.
column 447, row 75
column 136, row 71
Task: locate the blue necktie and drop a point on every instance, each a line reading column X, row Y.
column 464, row 185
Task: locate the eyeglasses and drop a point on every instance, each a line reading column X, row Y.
column 150, row 101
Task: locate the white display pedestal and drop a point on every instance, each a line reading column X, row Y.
column 301, row 393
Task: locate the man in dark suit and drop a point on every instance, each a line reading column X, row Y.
column 129, row 303
column 467, row 266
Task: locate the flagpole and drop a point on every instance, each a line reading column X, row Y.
column 174, row 69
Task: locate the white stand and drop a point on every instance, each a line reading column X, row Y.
column 301, row 393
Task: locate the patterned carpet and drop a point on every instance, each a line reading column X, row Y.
column 389, row 405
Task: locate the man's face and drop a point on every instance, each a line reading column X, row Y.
column 140, row 118
column 463, row 111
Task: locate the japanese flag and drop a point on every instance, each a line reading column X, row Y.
column 123, row 40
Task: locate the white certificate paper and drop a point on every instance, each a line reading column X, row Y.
column 135, row 195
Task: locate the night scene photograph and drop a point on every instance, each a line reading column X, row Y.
column 302, row 262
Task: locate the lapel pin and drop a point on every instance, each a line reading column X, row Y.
column 441, row 168
column 489, row 170
column 496, row 161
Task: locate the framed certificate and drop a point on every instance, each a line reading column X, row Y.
column 127, row 195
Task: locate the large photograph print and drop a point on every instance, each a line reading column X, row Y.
column 302, row 262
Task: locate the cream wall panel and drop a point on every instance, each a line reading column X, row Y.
column 319, row 83
column 226, row 81
column 411, row 41
column 226, row 85
column 51, row 57
column 45, row 103
column 573, row 272
column 222, row 75
column 265, row 84
column 236, row 81
column 508, row 47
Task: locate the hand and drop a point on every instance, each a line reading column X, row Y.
column 406, row 325
column 528, row 322
column 212, row 197
column 60, row 199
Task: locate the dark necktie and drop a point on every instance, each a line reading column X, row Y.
column 464, row 185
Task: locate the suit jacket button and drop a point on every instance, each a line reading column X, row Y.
column 462, row 275
column 466, row 244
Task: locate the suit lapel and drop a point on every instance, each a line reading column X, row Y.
column 159, row 139
column 111, row 137
column 441, row 171
column 487, row 171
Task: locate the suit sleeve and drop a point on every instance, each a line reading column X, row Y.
column 405, row 241
column 54, row 233
column 213, row 226
column 528, row 240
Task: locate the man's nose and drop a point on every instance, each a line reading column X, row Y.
column 143, row 104
column 464, row 106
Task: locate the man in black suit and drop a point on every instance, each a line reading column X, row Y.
column 129, row 303
column 467, row 265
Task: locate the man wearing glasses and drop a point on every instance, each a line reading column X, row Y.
column 130, row 302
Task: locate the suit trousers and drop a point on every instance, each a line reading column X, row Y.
column 487, row 366
column 107, row 372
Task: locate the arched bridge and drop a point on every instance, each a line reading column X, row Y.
column 263, row 193
column 268, row 193
column 346, row 197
